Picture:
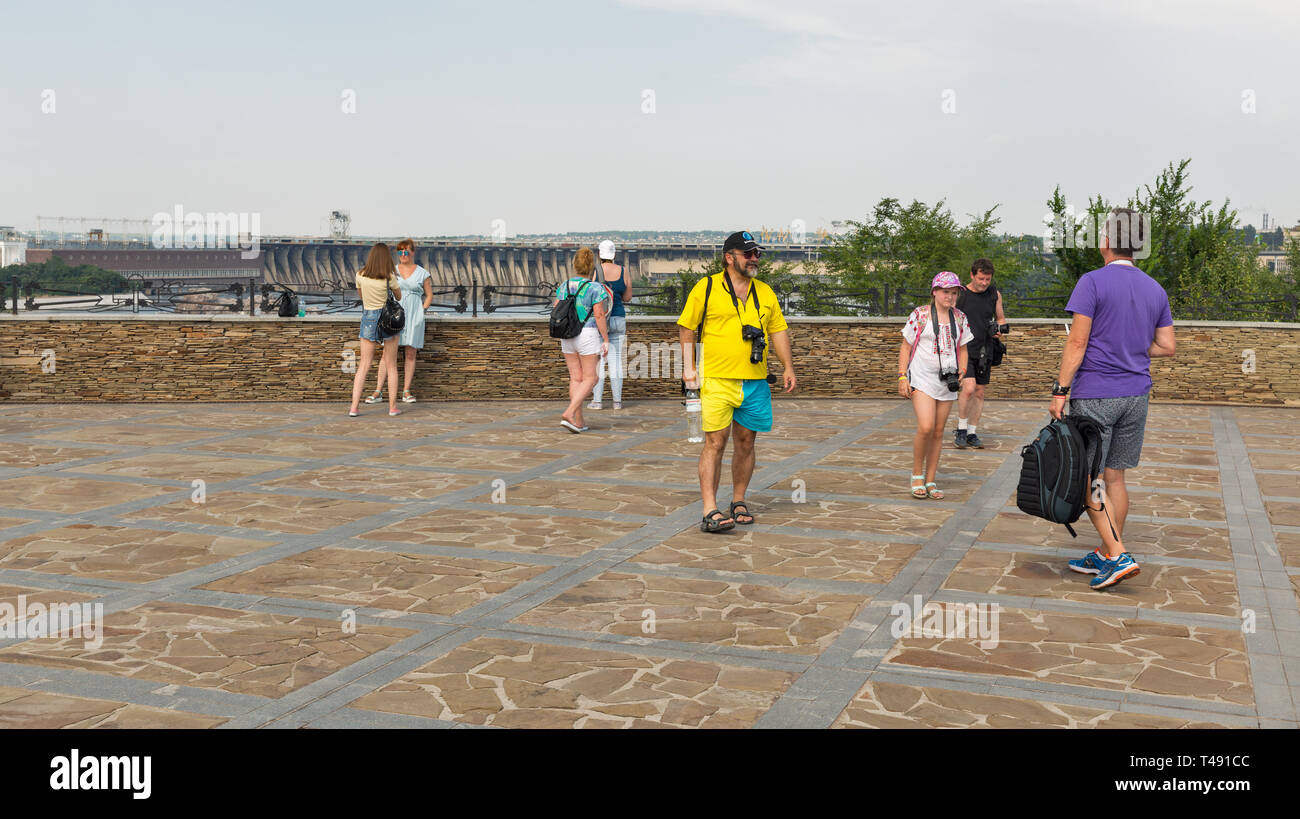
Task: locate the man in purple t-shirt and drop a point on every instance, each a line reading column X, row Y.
column 1121, row 320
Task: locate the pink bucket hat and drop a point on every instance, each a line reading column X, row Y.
column 946, row 279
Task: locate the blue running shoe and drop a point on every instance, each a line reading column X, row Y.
column 973, row 441
column 1121, row 568
column 1090, row 564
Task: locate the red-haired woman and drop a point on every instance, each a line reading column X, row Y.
column 583, row 351
column 417, row 295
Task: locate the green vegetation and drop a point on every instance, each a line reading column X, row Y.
column 56, row 275
column 1199, row 254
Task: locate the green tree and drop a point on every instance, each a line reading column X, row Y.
column 55, row 274
column 898, row 249
column 1197, row 251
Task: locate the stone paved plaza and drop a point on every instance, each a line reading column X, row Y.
column 476, row 565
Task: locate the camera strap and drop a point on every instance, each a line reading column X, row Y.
column 726, row 285
column 952, row 325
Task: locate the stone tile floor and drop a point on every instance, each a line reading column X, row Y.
column 475, row 565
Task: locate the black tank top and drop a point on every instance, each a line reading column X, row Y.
column 980, row 309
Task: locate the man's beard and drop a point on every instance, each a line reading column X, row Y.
column 749, row 271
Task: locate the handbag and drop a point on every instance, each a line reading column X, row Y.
column 392, row 317
column 996, row 351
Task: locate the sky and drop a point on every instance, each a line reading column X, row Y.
column 452, row 118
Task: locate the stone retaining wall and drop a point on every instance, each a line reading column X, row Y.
column 191, row 358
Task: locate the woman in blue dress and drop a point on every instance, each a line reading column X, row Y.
column 417, row 295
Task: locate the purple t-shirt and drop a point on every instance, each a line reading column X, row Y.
column 1126, row 306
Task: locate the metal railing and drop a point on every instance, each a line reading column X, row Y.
column 812, row 298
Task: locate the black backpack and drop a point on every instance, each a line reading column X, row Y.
column 392, row 317
column 1057, row 474
column 564, row 315
column 287, row 305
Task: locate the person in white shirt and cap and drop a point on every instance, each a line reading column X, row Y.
column 619, row 283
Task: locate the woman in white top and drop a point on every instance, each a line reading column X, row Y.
column 934, row 345
column 373, row 283
column 417, row 295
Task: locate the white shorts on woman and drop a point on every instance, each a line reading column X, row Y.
column 585, row 343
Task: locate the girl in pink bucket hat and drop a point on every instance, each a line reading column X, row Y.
column 931, row 363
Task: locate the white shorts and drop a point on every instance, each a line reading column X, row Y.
column 585, row 343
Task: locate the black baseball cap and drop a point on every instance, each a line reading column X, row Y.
column 741, row 240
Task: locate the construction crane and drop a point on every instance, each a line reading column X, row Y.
column 340, row 224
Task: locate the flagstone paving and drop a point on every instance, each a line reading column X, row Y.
column 25, row 708
column 476, row 564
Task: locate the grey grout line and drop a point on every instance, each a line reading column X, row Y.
column 1126, row 612
column 757, row 578
column 1251, row 536
column 832, row 534
column 1064, row 552
column 356, row 718
column 1067, row 694
column 77, row 683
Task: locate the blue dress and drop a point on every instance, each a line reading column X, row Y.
column 412, row 334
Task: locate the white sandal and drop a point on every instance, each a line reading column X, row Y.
column 376, row 397
column 919, row 492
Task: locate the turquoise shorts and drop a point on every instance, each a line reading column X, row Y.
column 746, row 401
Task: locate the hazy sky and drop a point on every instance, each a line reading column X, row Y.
column 535, row 113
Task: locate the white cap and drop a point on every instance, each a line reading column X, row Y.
column 607, row 249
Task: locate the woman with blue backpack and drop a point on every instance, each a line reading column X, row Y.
column 581, row 353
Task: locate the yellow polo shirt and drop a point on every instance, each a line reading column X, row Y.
column 726, row 353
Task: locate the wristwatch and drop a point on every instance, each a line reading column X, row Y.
column 1057, row 389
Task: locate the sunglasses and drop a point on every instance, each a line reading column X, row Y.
column 403, row 253
column 750, row 254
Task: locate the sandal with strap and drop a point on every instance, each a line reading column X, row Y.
column 375, row 397
column 744, row 514
column 713, row 525
column 935, row 493
column 918, row 491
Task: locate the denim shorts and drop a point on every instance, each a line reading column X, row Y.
column 370, row 327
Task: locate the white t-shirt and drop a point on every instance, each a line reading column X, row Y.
column 923, row 374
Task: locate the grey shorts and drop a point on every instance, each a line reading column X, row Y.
column 1125, row 423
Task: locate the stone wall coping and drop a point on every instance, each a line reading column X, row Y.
column 215, row 318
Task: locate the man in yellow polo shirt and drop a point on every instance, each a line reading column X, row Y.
column 738, row 318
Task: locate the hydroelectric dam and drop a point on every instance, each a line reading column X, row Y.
column 501, row 263
column 324, row 263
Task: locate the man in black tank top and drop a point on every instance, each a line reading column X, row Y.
column 982, row 304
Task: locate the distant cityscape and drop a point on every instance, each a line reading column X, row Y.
column 93, row 242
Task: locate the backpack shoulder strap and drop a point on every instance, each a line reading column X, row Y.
column 704, row 311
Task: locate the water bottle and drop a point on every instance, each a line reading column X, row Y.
column 302, row 309
column 694, row 421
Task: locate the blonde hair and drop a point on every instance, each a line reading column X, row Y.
column 584, row 261
column 379, row 264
